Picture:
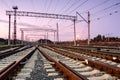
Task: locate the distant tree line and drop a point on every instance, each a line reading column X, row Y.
column 45, row 41
column 98, row 38
column 2, row 41
column 5, row 41
column 41, row 41
column 102, row 38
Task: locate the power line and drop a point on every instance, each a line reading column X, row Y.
column 68, row 7
column 73, row 24
column 78, row 6
column 74, row 4
column 116, row 4
column 98, row 5
column 60, row 9
column 53, row 11
column 112, row 6
column 104, row 16
column 56, row 5
column 45, row 5
column 49, row 5
column 65, row 5
column 32, row 2
column 71, row 6
column 44, row 9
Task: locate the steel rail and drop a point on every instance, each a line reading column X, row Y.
column 11, row 70
column 8, row 53
column 104, row 55
column 12, row 46
column 69, row 73
column 4, row 69
column 101, row 66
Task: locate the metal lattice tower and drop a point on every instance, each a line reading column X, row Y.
column 35, row 29
column 43, row 15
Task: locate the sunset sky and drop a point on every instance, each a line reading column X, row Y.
column 105, row 17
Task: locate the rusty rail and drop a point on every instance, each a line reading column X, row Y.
column 109, row 56
column 12, row 46
column 75, row 72
column 5, row 54
column 102, row 47
column 13, row 68
column 4, row 69
column 101, row 66
column 69, row 73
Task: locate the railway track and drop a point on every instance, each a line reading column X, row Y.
column 95, row 53
column 9, row 52
column 11, row 64
column 5, row 48
column 22, row 66
column 105, row 47
column 95, row 58
column 115, row 50
column 102, row 66
column 46, row 63
column 68, row 72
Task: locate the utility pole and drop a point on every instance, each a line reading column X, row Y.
column 22, row 36
column 57, row 33
column 54, row 37
column 15, row 10
column 9, row 31
column 88, row 28
column 45, row 40
column 47, row 36
column 88, row 22
column 74, row 34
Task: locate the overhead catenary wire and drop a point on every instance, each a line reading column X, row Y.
column 96, row 6
column 102, row 3
column 49, row 5
column 107, row 15
column 48, row 8
column 65, row 5
column 33, row 6
column 113, row 5
column 78, row 6
column 53, row 11
column 45, row 4
column 60, row 9
column 32, row 3
column 71, row 6
column 66, row 9
column 43, row 9
column 56, row 5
